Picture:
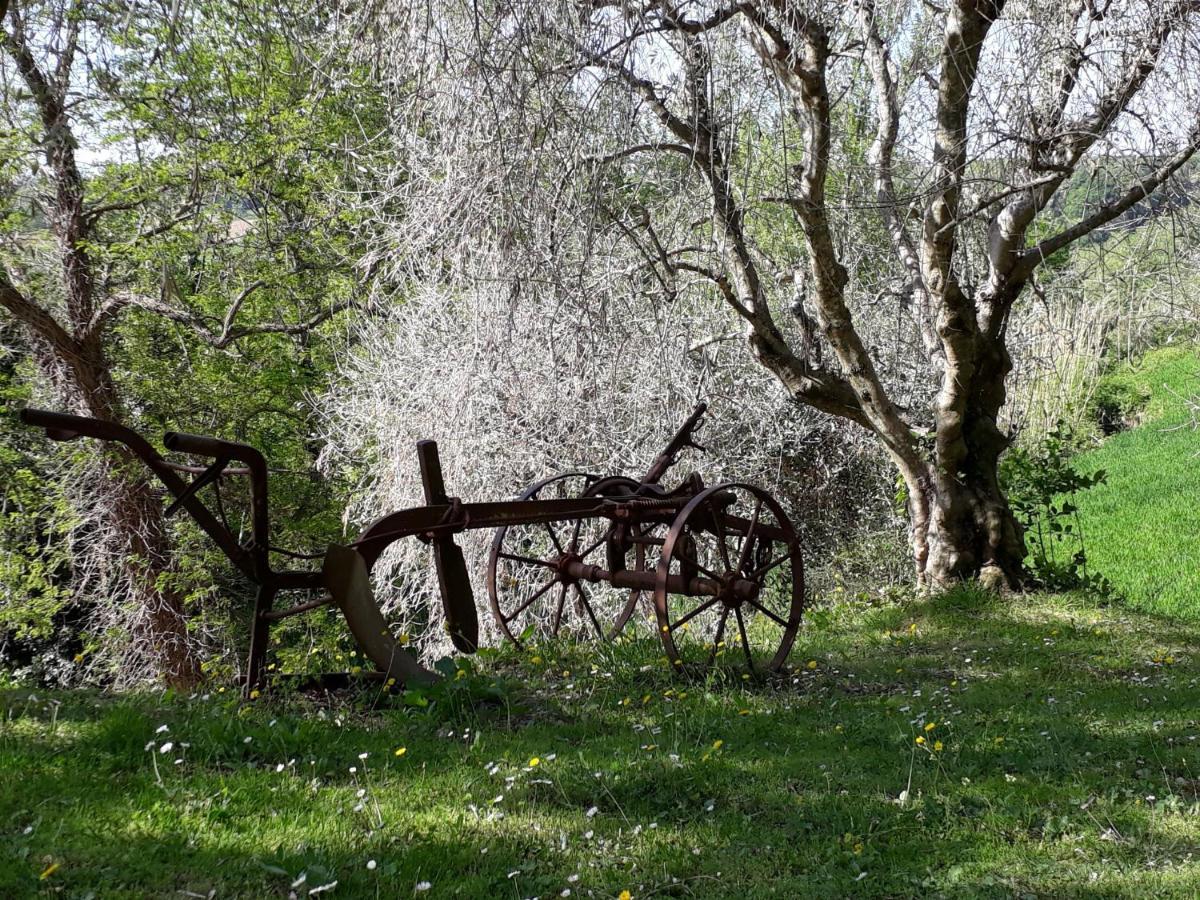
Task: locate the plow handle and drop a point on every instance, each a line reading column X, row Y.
column 681, row 440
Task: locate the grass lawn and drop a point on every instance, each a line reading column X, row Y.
column 1143, row 527
column 957, row 747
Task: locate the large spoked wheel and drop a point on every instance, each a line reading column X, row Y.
column 730, row 582
column 528, row 588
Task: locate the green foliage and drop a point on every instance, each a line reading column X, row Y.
column 1044, row 490
column 34, row 519
column 1057, row 763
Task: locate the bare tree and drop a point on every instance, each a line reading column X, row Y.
column 868, row 188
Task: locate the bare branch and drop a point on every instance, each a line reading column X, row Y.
column 1107, row 212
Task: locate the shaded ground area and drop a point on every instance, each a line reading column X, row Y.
column 956, row 747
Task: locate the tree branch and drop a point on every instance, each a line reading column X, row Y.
column 1035, row 255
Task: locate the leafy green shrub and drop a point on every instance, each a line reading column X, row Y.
column 1118, row 402
column 1043, row 489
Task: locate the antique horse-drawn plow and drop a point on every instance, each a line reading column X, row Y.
column 575, row 554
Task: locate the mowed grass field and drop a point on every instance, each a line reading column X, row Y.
column 1143, row 526
column 962, row 746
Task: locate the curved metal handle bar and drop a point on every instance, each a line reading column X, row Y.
column 66, row 427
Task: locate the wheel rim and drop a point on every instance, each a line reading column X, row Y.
column 735, row 541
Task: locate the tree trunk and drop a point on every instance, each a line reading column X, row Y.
column 966, row 528
column 128, row 517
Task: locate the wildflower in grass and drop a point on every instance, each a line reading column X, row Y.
column 920, row 740
column 625, row 895
column 48, row 871
column 998, row 741
column 371, row 865
column 718, row 743
column 422, row 886
column 254, row 694
column 930, row 726
column 937, row 746
column 534, row 762
column 536, row 660
column 400, row 751
column 743, row 712
column 812, row 664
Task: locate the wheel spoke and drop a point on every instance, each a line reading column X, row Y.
column 695, row 612
column 554, row 537
column 587, row 606
column 575, row 534
column 528, row 560
column 712, row 654
column 748, row 538
column 695, row 562
column 524, row 606
column 757, row 574
column 719, row 521
column 558, row 611
column 737, row 611
column 766, row 612
column 600, row 540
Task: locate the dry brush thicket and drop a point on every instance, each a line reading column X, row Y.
column 858, row 199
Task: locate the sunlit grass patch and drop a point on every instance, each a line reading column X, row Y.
column 1142, row 527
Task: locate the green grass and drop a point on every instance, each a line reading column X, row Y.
column 1143, row 527
column 1069, row 766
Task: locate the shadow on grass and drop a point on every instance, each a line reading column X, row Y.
column 1065, row 765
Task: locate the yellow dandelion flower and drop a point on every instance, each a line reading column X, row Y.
column 400, row 751
column 254, row 694
column 535, row 761
column 718, row 743
column 931, row 726
column 937, row 745
column 625, row 895
column 812, row 663
column 920, row 740
column 536, row 660
column 858, row 849
column 48, row 871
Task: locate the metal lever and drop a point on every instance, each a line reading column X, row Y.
column 211, row 474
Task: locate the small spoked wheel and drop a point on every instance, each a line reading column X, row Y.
column 530, row 588
column 729, row 588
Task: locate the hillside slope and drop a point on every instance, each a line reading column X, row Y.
column 1143, row 526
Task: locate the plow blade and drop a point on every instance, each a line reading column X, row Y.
column 345, row 576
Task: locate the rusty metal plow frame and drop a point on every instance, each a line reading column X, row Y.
column 635, row 508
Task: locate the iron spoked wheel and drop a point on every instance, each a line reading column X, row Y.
column 730, row 582
column 527, row 589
